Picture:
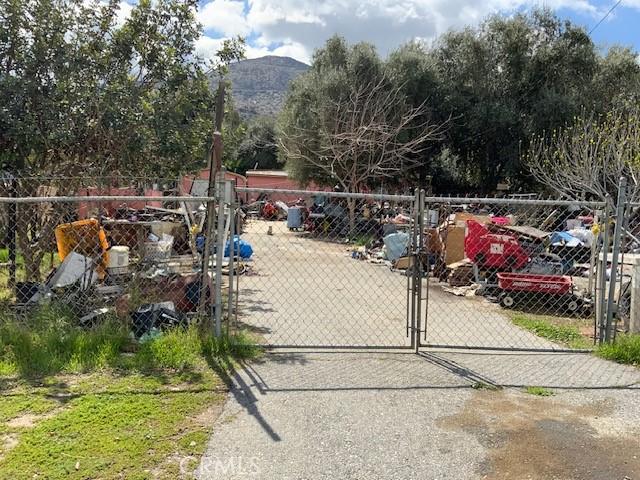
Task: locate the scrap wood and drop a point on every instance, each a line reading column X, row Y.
column 460, row 273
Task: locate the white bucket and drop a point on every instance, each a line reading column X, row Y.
column 118, row 259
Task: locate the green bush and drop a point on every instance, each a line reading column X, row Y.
column 625, row 349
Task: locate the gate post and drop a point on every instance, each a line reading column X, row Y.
column 617, row 235
column 220, row 234
column 417, row 270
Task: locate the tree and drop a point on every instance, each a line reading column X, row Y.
column 82, row 96
column 586, row 159
column 258, row 149
column 361, row 136
column 505, row 81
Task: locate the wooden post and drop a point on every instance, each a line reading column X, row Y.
column 215, row 166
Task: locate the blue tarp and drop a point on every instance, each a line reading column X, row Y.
column 565, row 239
column 240, row 247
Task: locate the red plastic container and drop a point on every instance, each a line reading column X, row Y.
column 490, row 250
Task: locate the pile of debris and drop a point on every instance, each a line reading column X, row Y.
column 143, row 265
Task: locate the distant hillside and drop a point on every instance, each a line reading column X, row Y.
column 259, row 85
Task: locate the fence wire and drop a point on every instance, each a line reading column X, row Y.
column 321, row 269
column 327, row 269
column 513, row 274
column 90, row 260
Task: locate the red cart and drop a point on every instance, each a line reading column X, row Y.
column 555, row 289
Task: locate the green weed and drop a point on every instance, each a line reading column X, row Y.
column 625, row 349
column 539, row 391
column 568, row 335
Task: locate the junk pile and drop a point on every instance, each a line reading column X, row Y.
column 516, row 264
column 495, row 256
column 142, row 265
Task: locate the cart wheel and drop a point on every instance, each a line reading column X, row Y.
column 573, row 305
column 507, row 301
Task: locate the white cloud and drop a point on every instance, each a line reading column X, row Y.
column 225, row 16
column 297, row 27
column 206, row 47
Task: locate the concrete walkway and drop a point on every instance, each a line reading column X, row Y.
column 404, row 416
column 306, row 291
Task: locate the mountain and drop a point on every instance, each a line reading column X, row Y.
column 260, row 85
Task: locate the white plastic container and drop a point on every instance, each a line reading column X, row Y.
column 118, row 260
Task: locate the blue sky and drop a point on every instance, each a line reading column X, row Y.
column 296, row 27
column 621, row 27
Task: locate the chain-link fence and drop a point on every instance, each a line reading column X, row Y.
column 327, row 269
column 88, row 260
column 513, row 273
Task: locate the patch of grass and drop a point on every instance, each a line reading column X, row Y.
column 539, row 391
column 104, row 405
column 49, row 343
column 545, row 327
column 129, row 431
column 625, row 349
column 12, row 406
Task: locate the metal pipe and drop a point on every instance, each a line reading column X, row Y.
column 105, row 198
column 232, row 254
column 615, row 252
column 601, row 304
column 302, row 193
column 417, row 267
column 219, row 256
column 513, row 201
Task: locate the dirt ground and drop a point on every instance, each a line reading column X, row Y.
column 529, row 437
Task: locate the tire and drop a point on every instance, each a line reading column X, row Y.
column 507, row 300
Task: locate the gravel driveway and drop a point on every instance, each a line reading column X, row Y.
column 395, row 415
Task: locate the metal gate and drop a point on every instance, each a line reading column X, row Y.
column 314, row 280
column 510, row 274
column 472, row 273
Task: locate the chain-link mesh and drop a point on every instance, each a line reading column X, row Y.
column 136, row 261
column 320, row 269
column 513, row 274
column 327, row 269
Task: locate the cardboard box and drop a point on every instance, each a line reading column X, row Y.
column 453, row 235
column 454, row 244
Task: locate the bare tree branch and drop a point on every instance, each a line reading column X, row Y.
column 587, row 159
column 369, row 134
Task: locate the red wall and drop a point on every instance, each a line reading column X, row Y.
column 110, row 207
